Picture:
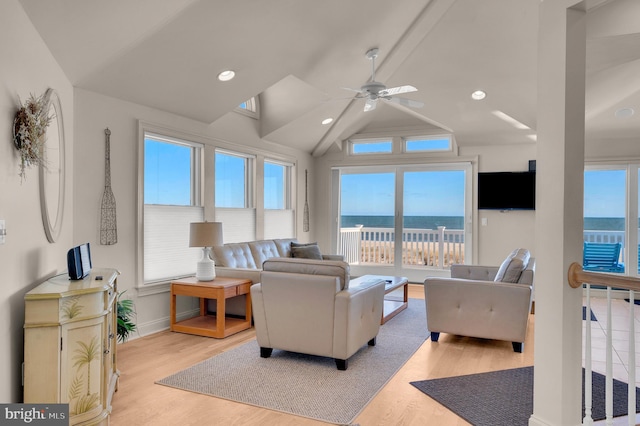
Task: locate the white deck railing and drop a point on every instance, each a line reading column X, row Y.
column 578, row 277
column 426, row 247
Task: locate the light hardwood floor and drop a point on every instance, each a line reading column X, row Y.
column 142, row 361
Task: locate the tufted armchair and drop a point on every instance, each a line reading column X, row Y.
column 491, row 302
column 306, row 306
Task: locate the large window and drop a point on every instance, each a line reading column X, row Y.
column 407, row 217
column 168, row 172
column 611, row 212
column 234, row 200
column 276, row 181
column 279, row 217
column 172, row 176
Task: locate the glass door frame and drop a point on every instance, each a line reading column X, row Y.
column 415, row 274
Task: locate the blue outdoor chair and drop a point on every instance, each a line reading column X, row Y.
column 602, row 257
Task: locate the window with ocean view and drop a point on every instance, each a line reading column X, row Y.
column 605, row 212
column 423, row 207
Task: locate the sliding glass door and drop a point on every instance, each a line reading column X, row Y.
column 396, row 219
column 611, row 205
column 433, row 219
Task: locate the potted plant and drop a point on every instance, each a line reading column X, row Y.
column 126, row 312
column 29, row 130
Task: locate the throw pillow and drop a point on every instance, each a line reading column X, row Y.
column 308, row 251
column 513, row 265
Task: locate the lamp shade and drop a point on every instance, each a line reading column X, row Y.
column 205, row 234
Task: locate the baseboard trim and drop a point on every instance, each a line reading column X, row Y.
column 161, row 324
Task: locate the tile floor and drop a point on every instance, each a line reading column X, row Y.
column 620, row 325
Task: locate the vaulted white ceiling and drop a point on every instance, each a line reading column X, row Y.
column 299, row 55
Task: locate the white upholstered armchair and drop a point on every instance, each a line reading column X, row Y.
column 491, row 302
column 306, row 306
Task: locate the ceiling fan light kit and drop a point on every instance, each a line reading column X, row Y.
column 374, row 90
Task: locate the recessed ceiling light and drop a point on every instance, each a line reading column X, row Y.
column 226, row 75
column 478, row 95
column 624, row 112
column 327, row 120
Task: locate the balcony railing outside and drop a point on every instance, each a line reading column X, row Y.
column 438, row 248
column 420, row 247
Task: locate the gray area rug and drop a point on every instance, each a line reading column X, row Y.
column 307, row 385
column 505, row 397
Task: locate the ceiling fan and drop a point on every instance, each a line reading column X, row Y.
column 374, row 90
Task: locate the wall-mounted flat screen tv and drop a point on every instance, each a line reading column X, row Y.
column 507, row 191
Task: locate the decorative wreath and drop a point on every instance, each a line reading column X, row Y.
column 30, row 129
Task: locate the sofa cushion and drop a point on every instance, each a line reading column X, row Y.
column 513, row 265
column 263, row 250
column 311, row 267
column 234, row 255
column 306, row 251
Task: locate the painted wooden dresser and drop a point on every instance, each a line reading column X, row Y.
column 70, row 333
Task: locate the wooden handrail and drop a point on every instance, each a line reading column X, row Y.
column 577, row 277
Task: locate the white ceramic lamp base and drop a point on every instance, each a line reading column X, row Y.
column 205, row 270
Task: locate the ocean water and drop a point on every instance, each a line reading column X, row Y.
column 419, row 222
column 457, row 222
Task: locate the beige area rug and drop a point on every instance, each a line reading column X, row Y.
column 306, row 385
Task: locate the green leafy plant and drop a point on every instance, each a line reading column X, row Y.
column 126, row 313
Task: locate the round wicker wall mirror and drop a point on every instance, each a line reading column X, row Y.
column 52, row 172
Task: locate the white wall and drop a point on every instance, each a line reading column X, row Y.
column 95, row 112
column 27, row 258
column 506, row 231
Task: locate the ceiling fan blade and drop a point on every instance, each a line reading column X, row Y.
column 397, row 90
column 405, row 102
column 370, row 105
column 352, row 90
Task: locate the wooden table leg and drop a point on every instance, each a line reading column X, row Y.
column 247, row 308
column 203, row 306
column 220, row 313
column 172, row 315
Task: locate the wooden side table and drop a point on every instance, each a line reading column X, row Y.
column 218, row 325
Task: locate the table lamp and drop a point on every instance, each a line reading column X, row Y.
column 205, row 235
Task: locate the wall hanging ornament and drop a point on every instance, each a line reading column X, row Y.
column 305, row 218
column 108, row 225
column 30, row 130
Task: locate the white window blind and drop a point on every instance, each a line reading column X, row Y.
column 167, row 253
column 279, row 224
column 238, row 225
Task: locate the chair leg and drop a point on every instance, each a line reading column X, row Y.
column 342, row 364
column 518, row 346
column 435, row 335
column 265, row 352
column 372, row 342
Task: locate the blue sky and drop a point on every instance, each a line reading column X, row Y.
column 434, row 193
column 604, row 193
